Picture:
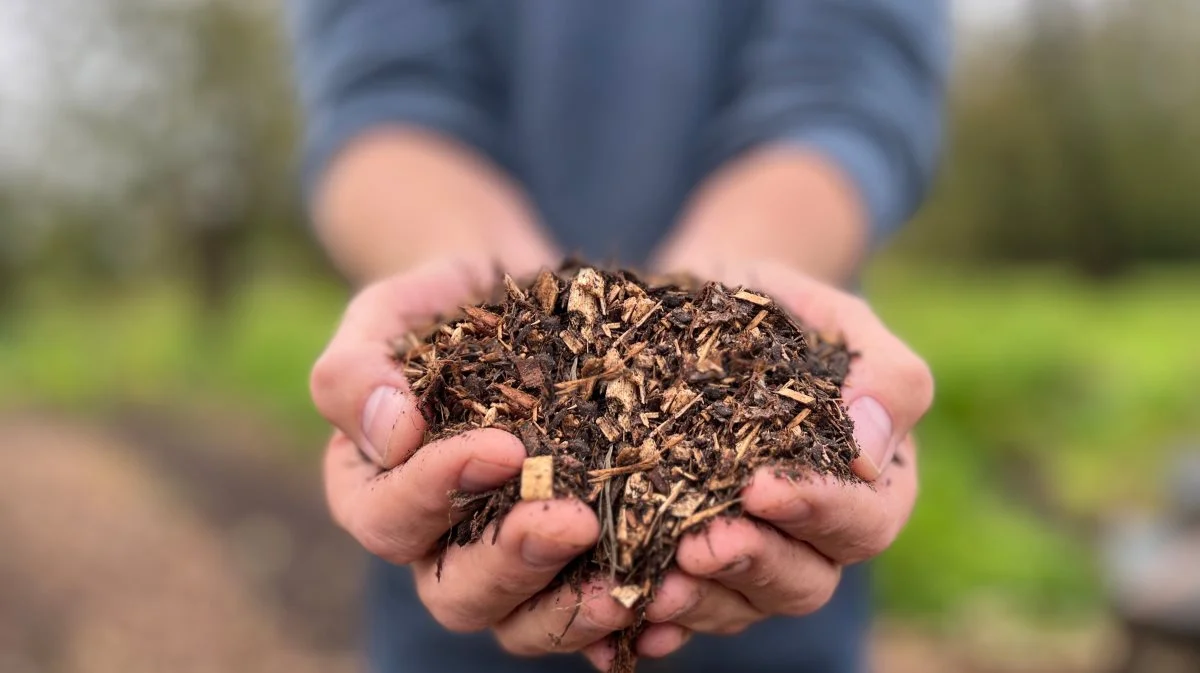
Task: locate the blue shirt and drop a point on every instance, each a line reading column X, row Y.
column 608, row 113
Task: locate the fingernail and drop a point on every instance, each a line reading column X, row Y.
column 543, row 552
column 873, row 432
column 380, row 414
column 479, row 475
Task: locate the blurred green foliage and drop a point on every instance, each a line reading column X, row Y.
column 1073, row 140
column 1044, row 381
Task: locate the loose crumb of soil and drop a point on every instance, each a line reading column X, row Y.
column 652, row 401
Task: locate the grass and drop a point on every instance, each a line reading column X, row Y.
column 1092, row 384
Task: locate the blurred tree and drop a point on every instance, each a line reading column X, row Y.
column 177, row 119
column 1056, row 63
column 1074, row 140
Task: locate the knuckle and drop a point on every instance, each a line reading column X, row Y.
column 731, row 628
column 370, row 296
column 762, row 579
column 327, row 372
column 452, row 615
column 858, row 306
column 870, row 545
column 518, row 646
column 386, row 547
column 917, row 379
column 453, row 619
column 605, row 615
column 809, row 599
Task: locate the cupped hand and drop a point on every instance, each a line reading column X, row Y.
column 787, row 555
column 395, row 501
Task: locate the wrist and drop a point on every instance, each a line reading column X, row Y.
column 398, row 198
column 778, row 205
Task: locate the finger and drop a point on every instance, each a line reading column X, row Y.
column 775, row 574
column 700, row 604
column 655, row 642
column 482, row 582
column 889, row 387
column 563, row 620
column 847, row 523
column 357, row 385
column 660, row 640
column 399, row 514
column 601, row 654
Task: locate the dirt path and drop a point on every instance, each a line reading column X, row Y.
column 108, row 566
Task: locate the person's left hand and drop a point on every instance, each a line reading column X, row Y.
column 786, row 556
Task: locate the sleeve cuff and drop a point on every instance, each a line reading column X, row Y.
column 869, row 169
column 331, row 130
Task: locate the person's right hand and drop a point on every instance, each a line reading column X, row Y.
column 394, row 499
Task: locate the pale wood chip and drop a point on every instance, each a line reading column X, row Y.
column 748, row 441
column 799, row 418
column 609, row 473
column 609, row 429
column 537, row 478
column 586, row 295
column 795, row 395
column 572, row 341
column 510, row 286
column 623, row 390
column 761, row 316
column 755, row 299
column 687, row 505
column 702, row 354
column 627, row 595
column 705, row 515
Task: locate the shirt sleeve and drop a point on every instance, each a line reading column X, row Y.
column 862, row 81
column 361, row 64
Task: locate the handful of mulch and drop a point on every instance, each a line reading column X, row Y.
column 652, row 402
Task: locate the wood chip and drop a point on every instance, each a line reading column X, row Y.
column 624, row 391
column 609, row 473
column 626, row 595
column 482, row 317
column 705, row 515
column 537, row 478
column 758, row 319
column 530, row 373
column 572, row 341
column 510, row 286
column 687, row 505
column 798, row 419
column 796, row 395
column 748, row 441
column 756, row 299
column 545, row 291
column 521, row 399
column 608, row 428
column 585, row 295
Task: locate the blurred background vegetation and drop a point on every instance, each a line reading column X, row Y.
column 153, row 251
